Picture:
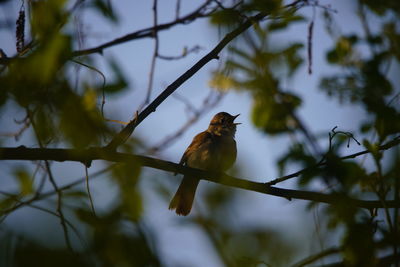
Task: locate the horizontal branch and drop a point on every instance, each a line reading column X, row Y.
column 23, row 153
column 144, row 33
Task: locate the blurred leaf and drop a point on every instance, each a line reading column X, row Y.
column 75, row 194
column 273, row 114
column 127, row 176
column 118, row 242
column 89, row 100
column 32, row 254
column 381, row 7
column 105, row 8
column 341, row 213
column 359, row 247
column 298, row 154
column 374, row 149
column 284, row 22
column 226, row 17
column 48, row 17
column 119, row 82
column 369, row 182
column 343, row 53
column 6, row 203
column 45, row 128
column 347, row 173
column 392, row 33
column 221, row 82
column 80, row 126
column 25, row 181
column 268, row 6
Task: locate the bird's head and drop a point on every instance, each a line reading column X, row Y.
column 223, row 124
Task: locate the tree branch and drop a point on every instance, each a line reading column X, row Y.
column 23, row 153
column 124, row 134
column 394, row 142
column 145, row 33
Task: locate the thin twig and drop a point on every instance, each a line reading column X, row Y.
column 88, row 191
column 388, row 145
column 54, row 184
column 184, row 54
column 59, row 206
column 189, row 107
column 317, row 256
column 41, row 196
column 103, row 85
column 153, row 59
column 47, row 211
column 177, row 9
column 309, row 43
column 349, row 135
column 148, row 32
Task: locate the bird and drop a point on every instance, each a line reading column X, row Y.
column 211, row 150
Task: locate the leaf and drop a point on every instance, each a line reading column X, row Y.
column 343, row 53
column 273, row 114
column 25, row 181
column 75, row 194
column 44, row 26
column 221, row 82
column 105, row 8
column 281, row 24
column 225, row 17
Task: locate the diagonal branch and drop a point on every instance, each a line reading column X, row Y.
column 122, row 136
column 23, row 153
column 386, row 146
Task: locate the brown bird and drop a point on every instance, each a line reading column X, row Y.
column 212, row 150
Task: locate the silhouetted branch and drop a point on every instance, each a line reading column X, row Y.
column 185, row 52
column 23, row 153
column 33, row 206
column 123, row 135
column 54, row 184
column 17, row 134
column 146, row 33
column 394, row 142
column 88, row 192
column 154, row 57
column 40, row 196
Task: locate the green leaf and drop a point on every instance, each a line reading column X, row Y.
column 25, row 181
column 75, row 194
column 225, row 17
column 272, row 113
column 342, row 54
column 105, row 8
column 281, row 24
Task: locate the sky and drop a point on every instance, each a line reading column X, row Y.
column 257, row 152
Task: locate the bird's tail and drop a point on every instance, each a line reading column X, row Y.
column 183, row 200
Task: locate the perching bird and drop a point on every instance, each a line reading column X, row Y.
column 212, row 150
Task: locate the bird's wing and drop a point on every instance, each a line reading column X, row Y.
column 200, row 139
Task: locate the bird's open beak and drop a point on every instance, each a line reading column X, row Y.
column 234, row 117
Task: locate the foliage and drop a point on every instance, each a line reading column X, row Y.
column 61, row 110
